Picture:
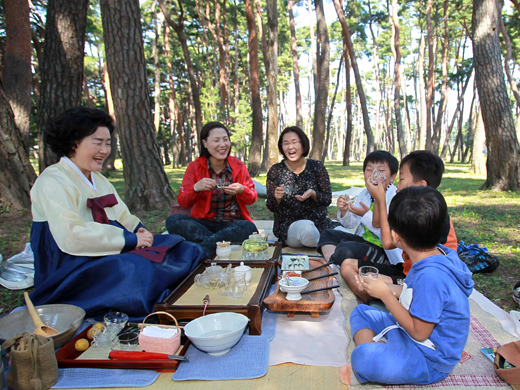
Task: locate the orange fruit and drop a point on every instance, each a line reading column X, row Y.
column 82, row 345
column 99, row 326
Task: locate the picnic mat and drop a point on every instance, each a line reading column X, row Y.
column 474, row 371
column 248, row 359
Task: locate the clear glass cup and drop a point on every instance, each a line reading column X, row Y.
column 102, row 340
column 368, row 272
column 127, row 342
column 234, row 287
column 115, row 321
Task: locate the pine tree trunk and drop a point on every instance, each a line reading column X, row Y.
column 17, row 75
column 379, row 91
column 422, row 98
column 397, row 82
column 327, row 149
column 478, row 155
column 109, row 163
column 431, row 75
column 296, row 69
column 255, row 156
column 436, row 135
column 348, row 137
column 362, row 99
column 195, row 89
column 176, row 146
column 503, row 165
column 16, row 172
column 146, row 183
column 320, row 104
column 62, row 60
column 272, row 80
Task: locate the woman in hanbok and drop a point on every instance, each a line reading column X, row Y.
column 89, row 250
column 217, row 187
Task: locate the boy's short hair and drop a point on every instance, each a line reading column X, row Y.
column 382, row 156
column 418, row 215
column 424, row 165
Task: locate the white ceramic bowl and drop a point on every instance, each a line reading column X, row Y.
column 293, row 292
column 216, row 333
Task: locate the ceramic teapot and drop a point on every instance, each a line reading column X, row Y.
column 246, row 271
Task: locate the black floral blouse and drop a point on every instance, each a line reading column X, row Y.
column 290, row 209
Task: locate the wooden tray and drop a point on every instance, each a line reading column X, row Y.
column 67, row 358
column 253, row 309
column 313, row 303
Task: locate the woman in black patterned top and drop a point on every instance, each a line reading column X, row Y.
column 298, row 192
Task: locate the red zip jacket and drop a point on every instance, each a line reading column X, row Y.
column 200, row 202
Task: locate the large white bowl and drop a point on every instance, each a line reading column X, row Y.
column 293, row 292
column 216, row 333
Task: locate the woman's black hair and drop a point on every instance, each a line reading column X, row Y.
column 64, row 132
column 418, row 215
column 204, row 134
column 303, row 138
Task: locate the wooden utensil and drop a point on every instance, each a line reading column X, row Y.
column 41, row 328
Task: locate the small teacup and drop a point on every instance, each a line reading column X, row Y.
column 206, row 281
column 234, row 287
column 223, row 253
column 103, row 340
column 368, row 272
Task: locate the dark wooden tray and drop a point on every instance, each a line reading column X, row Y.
column 253, row 310
column 67, row 358
column 313, row 303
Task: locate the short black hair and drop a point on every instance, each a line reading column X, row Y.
column 418, row 215
column 64, row 132
column 303, row 138
column 204, row 134
column 424, row 165
column 382, row 156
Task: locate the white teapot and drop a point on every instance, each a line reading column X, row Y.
column 246, row 270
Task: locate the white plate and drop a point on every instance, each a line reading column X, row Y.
column 295, row 262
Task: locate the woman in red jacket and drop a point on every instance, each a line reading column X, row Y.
column 218, row 188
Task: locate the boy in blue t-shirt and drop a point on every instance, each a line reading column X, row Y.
column 423, row 337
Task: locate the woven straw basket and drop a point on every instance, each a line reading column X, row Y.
column 158, row 344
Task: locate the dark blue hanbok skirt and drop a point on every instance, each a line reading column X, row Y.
column 124, row 282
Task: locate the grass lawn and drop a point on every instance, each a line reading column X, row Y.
column 491, row 219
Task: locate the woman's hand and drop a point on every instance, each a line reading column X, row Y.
column 360, row 211
column 144, row 238
column 205, row 184
column 278, row 193
column 233, row 189
column 306, row 195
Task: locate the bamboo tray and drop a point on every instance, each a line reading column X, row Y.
column 67, row 357
column 313, row 303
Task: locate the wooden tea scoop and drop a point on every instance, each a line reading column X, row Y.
column 41, row 328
